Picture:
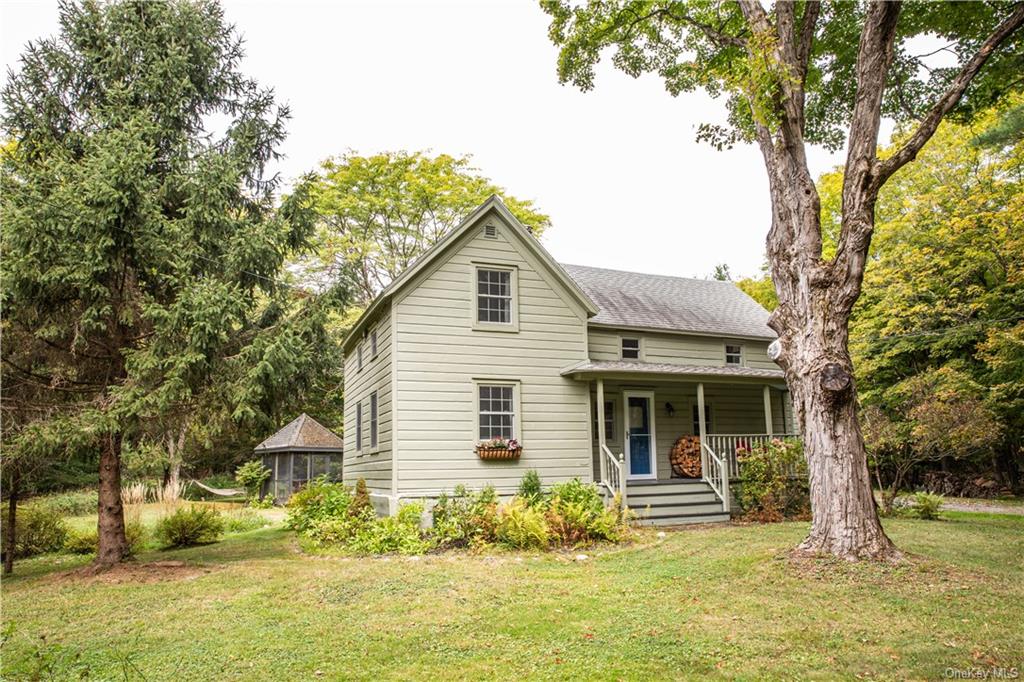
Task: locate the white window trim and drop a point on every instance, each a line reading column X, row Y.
column 359, row 357
column 511, row 326
column 374, row 346
column 517, row 406
column 725, row 354
column 641, row 354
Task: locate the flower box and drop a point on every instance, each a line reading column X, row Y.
column 499, row 449
column 497, row 453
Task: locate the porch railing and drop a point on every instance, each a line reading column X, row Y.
column 613, row 473
column 716, row 473
column 725, row 445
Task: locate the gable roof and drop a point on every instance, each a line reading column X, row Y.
column 302, row 434
column 675, row 304
column 492, row 203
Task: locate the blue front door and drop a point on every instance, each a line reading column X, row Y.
column 638, row 424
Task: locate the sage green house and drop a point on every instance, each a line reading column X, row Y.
column 486, row 336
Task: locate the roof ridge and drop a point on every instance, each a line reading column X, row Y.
column 647, row 274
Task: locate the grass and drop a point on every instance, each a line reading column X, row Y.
column 721, row 601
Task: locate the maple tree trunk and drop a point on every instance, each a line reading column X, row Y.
column 113, row 547
column 812, row 322
column 844, row 518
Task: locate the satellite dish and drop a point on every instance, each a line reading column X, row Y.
column 775, row 350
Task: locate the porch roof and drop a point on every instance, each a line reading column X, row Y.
column 590, row 368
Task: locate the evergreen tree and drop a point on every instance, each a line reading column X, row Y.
column 143, row 245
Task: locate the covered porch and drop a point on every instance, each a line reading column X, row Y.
column 641, row 412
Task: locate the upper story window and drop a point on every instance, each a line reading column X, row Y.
column 497, row 411
column 733, row 354
column 630, row 349
column 359, row 356
column 494, row 296
column 373, row 344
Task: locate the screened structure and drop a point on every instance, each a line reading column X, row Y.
column 300, row 452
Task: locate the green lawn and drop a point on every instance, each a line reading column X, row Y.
column 716, row 600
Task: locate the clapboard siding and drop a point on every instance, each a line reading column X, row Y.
column 735, row 408
column 438, row 355
column 677, row 349
column 372, row 464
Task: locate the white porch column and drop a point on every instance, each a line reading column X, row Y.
column 767, row 410
column 701, row 429
column 700, row 413
column 600, row 429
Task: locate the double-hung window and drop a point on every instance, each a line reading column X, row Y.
column 609, row 420
column 497, row 411
column 733, row 354
column 373, row 344
column 630, row 349
column 359, row 357
column 696, row 419
column 494, row 296
column 373, row 419
column 359, row 427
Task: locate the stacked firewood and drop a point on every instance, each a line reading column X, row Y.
column 685, row 457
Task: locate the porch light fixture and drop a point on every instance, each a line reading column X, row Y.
column 671, row 410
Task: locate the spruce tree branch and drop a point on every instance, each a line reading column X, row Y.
column 950, row 99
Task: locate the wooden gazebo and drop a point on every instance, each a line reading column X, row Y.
column 301, row 451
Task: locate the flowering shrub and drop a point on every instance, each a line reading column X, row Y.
column 773, row 481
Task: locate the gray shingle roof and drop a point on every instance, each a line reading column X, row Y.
column 702, row 306
column 635, row 367
column 302, row 434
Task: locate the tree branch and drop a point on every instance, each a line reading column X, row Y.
column 945, row 104
column 803, row 50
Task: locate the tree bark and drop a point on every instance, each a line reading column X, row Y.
column 113, row 546
column 12, row 517
column 844, row 517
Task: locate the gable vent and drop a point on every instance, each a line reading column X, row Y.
column 491, row 231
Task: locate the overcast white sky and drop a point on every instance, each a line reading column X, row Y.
column 617, row 169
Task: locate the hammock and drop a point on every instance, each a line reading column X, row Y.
column 222, row 492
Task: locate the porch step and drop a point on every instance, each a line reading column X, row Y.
column 642, row 498
column 681, row 519
column 675, row 501
column 683, row 508
column 671, row 485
